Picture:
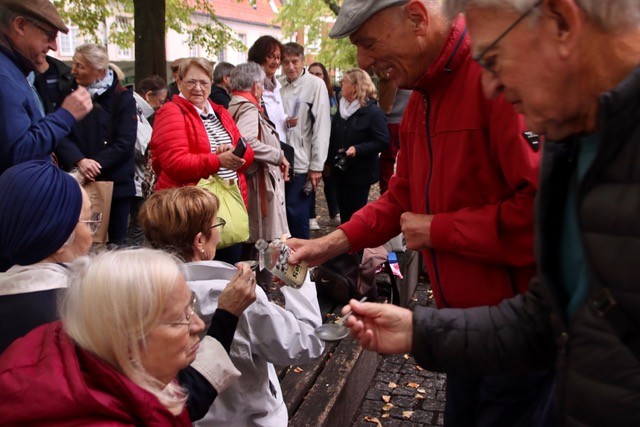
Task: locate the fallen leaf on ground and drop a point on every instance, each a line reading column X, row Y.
column 297, row 370
column 406, row 357
column 385, row 415
column 373, row 420
column 393, row 385
column 421, row 390
column 413, row 385
column 407, row 414
column 419, row 368
column 386, row 398
column 387, row 407
column 419, row 396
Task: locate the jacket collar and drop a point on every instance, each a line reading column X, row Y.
column 455, row 51
column 25, row 64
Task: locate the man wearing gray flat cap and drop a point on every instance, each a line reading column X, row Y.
column 28, row 30
column 463, row 191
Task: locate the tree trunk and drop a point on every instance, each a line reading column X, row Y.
column 149, row 27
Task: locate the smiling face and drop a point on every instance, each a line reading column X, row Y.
column 171, row 344
column 388, row 41
column 84, row 72
column 272, row 62
column 195, row 86
column 533, row 70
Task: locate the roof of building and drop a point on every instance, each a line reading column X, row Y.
column 242, row 11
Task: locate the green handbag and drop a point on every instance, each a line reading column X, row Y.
column 232, row 209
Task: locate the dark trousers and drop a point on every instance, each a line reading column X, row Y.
column 119, row 220
column 499, row 400
column 135, row 237
column 350, row 197
column 298, row 205
column 329, row 195
column 388, row 157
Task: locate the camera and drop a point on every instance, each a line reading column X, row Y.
column 340, row 160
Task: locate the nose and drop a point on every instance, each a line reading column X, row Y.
column 53, row 44
column 491, row 84
column 197, row 325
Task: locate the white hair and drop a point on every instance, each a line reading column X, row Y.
column 610, row 15
column 245, row 75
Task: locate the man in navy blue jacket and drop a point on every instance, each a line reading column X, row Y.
column 28, row 30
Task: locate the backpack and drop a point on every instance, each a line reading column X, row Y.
column 350, row 275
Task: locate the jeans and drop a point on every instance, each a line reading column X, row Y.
column 298, row 206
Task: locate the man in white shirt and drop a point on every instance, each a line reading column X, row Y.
column 306, row 103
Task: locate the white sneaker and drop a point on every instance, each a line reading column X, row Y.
column 313, row 224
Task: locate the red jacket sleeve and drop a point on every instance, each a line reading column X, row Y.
column 175, row 145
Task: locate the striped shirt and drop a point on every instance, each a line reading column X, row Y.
column 218, row 135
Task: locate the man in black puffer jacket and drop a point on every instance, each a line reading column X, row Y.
column 571, row 67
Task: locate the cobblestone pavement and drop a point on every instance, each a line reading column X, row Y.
column 401, row 393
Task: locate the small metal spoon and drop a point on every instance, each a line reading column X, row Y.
column 335, row 331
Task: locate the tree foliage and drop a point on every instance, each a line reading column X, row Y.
column 314, row 16
column 205, row 30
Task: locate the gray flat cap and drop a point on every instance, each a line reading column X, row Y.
column 354, row 13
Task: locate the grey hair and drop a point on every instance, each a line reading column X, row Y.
column 96, row 55
column 245, row 75
column 222, row 70
column 612, row 16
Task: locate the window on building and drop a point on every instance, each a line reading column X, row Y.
column 221, row 56
column 242, row 56
column 194, row 52
column 69, row 42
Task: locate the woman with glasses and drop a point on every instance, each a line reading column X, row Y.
column 101, row 146
column 185, row 221
column 128, row 328
column 45, row 223
column 193, row 138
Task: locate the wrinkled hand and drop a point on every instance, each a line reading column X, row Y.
column 291, row 122
column 383, row 328
column 284, row 167
column 317, row 251
column 240, row 293
column 89, row 169
column 315, row 178
column 416, row 229
column 223, row 148
column 228, row 160
column 351, row 151
column 78, row 103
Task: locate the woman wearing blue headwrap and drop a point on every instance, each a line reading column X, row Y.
column 45, row 222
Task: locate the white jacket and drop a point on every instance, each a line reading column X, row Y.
column 310, row 137
column 143, row 137
column 273, row 106
column 266, row 335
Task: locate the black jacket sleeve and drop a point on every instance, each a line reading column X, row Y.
column 513, row 337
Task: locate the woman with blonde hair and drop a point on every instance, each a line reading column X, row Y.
column 101, row 146
column 185, row 221
column 358, row 134
column 128, row 327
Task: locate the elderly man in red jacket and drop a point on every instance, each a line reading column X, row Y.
column 464, row 188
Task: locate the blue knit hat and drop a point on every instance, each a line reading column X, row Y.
column 39, row 209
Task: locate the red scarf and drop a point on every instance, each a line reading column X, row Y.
column 250, row 97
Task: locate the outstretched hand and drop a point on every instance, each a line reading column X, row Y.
column 383, row 328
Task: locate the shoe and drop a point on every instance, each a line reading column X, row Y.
column 313, row 224
column 336, row 220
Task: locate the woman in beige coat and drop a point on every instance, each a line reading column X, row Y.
column 266, row 177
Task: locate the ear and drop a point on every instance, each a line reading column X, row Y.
column 565, row 24
column 18, row 25
column 198, row 245
column 148, row 95
column 418, row 14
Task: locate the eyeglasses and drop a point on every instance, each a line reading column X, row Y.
column 188, row 317
column 220, row 224
column 51, row 34
column 94, row 222
column 490, row 64
column 191, row 84
column 272, row 57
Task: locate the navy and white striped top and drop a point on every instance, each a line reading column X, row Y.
column 218, row 135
